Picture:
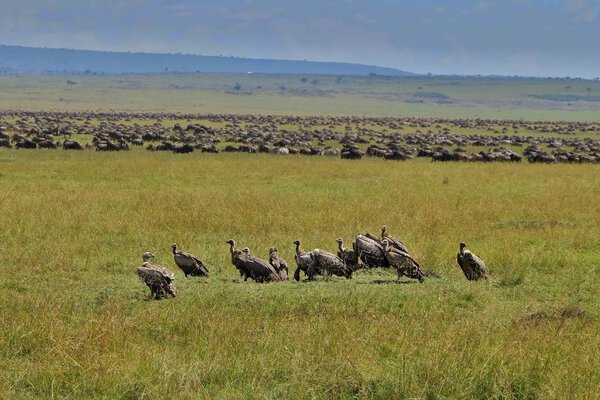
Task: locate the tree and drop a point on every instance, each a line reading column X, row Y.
column 237, row 87
column 304, row 79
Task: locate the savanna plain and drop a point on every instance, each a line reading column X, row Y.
column 75, row 321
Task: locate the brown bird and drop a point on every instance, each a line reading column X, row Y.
column 278, row 263
column 371, row 251
column 472, row 266
column 404, row 264
column 328, row 264
column 350, row 257
column 304, row 260
column 159, row 280
column 394, row 243
column 189, row 263
column 252, row 267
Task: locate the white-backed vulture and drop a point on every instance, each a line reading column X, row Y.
column 188, row 263
column 350, row 257
column 472, row 266
column 159, row 280
column 328, row 264
column 278, row 263
column 252, row 267
column 370, row 251
column 304, row 260
column 394, row 243
column 404, row 264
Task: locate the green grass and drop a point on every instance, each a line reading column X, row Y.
column 74, row 323
column 454, row 97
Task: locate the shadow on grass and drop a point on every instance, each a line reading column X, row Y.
column 386, row 282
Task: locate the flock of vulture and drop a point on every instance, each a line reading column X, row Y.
column 345, row 137
column 368, row 251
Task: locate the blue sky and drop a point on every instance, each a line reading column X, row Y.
column 508, row 37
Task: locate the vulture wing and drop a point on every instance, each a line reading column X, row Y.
column 396, row 244
column 475, row 265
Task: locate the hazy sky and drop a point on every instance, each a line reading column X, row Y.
column 509, row 37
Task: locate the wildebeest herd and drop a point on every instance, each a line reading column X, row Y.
column 368, row 251
column 345, row 137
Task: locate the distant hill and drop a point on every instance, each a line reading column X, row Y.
column 32, row 59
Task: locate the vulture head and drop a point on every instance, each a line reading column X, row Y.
column 272, row 250
column 297, row 242
column 385, row 244
column 340, row 241
column 383, row 230
column 462, row 246
column 230, row 242
column 174, row 247
column 147, row 255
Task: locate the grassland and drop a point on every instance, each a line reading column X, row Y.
column 455, row 97
column 74, row 323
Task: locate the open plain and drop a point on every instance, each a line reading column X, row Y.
column 76, row 322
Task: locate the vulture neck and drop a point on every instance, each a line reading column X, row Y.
column 298, row 249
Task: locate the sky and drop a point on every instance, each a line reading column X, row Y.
column 505, row 37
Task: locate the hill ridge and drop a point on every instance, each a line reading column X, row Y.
column 38, row 59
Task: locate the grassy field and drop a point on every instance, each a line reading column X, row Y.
column 74, row 322
column 452, row 97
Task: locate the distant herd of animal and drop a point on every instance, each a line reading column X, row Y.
column 475, row 140
column 368, row 251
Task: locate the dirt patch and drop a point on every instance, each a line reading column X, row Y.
column 558, row 314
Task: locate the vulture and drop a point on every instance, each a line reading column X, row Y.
column 159, row 280
column 252, row 267
column 373, row 237
column 278, row 263
column 328, row 264
column 304, row 260
column 350, row 257
column 245, row 252
column 188, row 263
column 402, row 262
column 394, row 243
column 237, row 256
column 371, row 251
column 472, row 266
